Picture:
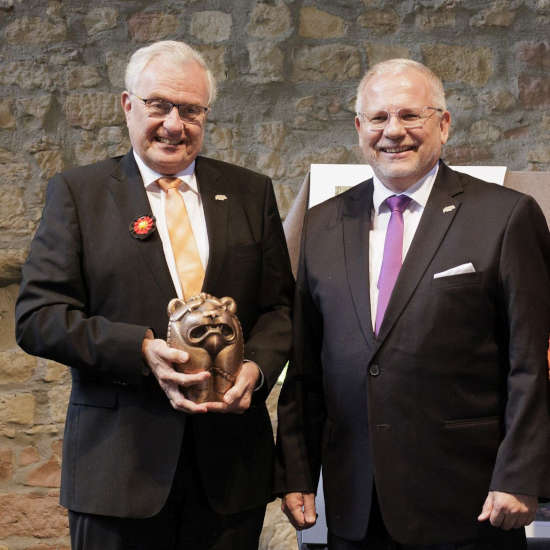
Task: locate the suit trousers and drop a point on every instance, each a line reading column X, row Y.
column 186, row 522
column 378, row 538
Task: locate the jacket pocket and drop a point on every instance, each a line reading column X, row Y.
column 471, row 422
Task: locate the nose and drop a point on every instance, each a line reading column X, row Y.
column 173, row 122
column 394, row 128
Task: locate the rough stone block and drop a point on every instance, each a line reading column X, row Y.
column 28, row 455
column 498, row 14
column 271, row 134
column 32, row 515
column 482, row 131
column 215, row 59
column 84, row 76
column 380, row 21
column 11, row 260
column 211, row 26
column 148, row 27
column 28, row 75
column 266, row 62
column 220, row 137
column 6, row 464
column 45, row 475
column 473, row 66
column 540, row 155
column 498, row 100
column 467, row 154
column 100, row 19
column 58, row 399
column 8, row 295
column 35, row 30
column 427, row 21
column 50, row 163
column 7, row 118
column 56, row 372
column 116, row 68
column 269, row 21
column 315, row 23
column 327, row 62
column 535, row 55
column 377, row 52
column 34, row 110
column 12, row 207
column 534, row 92
column 18, row 408
column 16, row 366
column 93, row 109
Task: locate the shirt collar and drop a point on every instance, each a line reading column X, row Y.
column 149, row 176
column 419, row 192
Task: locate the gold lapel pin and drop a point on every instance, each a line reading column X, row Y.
column 220, row 197
column 449, row 208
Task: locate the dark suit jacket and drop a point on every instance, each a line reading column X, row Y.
column 450, row 400
column 89, row 292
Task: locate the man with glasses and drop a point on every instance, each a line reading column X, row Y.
column 418, row 373
column 144, row 467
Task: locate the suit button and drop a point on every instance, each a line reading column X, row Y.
column 374, row 370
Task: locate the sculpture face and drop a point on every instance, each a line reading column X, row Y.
column 207, row 328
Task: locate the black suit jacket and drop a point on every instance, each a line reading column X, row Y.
column 90, row 291
column 450, row 399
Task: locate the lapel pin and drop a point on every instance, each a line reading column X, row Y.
column 449, row 208
column 143, row 227
column 221, row 197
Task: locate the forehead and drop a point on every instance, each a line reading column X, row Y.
column 171, row 80
column 408, row 88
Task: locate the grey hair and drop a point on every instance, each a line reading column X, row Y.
column 397, row 66
column 178, row 52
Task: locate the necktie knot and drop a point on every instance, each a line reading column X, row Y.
column 398, row 203
column 166, row 183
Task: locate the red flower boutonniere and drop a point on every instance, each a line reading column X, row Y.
column 143, row 227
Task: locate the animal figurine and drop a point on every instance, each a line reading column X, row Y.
column 208, row 329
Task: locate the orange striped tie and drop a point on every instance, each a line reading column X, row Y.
column 184, row 246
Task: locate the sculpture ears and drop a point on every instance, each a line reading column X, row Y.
column 176, row 308
column 229, row 304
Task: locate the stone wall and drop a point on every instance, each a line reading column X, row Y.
column 287, row 71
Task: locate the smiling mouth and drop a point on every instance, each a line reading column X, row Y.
column 168, row 141
column 400, row 149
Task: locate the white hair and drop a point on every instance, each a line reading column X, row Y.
column 178, row 52
column 398, row 66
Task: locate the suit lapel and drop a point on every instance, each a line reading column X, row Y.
column 126, row 187
column 441, row 209
column 216, row 199
column 357, row 209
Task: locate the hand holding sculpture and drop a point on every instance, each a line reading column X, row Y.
column 207, row 328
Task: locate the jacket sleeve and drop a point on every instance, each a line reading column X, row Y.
column 51, row 311
column 301, row 408
column 269, row 341
column 523, row 459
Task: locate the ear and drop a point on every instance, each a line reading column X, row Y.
column 175, row 309
column 125, row 102
column 229, row 304
column 357, row 124
column 445, row 126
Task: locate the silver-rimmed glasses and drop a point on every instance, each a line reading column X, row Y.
column 408, row 117
column 160, row 108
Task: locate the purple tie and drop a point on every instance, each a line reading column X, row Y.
column 393, row 255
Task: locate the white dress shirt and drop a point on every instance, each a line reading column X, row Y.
column 419, row 194
column 193, row 203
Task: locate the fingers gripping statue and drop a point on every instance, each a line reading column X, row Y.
column 207, row 328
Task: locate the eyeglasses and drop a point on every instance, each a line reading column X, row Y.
column 408, row 118
column 160, row 108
